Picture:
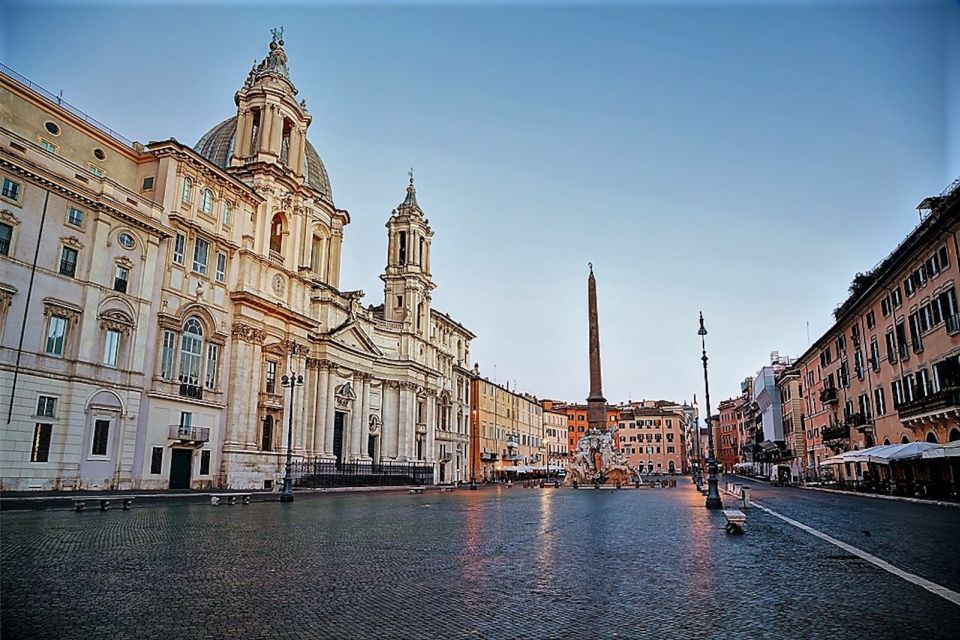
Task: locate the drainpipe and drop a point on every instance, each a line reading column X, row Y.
column 26, row 307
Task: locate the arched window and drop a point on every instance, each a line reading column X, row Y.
column 187, row 188
column 191, row 351
column 206, row 201
column 276, row 234
column 932, row 437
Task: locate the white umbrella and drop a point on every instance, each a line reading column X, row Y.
column 949, row 450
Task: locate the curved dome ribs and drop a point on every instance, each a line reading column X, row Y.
column 217, row 146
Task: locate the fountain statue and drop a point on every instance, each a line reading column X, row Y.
column 596, row 461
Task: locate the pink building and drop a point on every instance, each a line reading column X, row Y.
column 888, row 371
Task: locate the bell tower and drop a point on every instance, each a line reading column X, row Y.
column 271, row 124
column 407, row 280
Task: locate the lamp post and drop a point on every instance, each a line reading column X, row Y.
column 293, row 381
column 713, row 495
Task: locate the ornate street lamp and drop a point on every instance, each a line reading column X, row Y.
column 293, row 381
column 713, row 495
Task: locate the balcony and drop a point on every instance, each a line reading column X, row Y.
column 835, row 432
column 194, row 391
column 828, row 395
column 187, row 433
column 953, row 324
column 931, row 406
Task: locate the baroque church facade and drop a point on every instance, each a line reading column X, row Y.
column 230, row 321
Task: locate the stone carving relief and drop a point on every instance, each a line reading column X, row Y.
column 246, row 333
column 344, row 395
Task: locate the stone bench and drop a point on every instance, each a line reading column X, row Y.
column 79, row 504
column 736, row 520
column 230, row 498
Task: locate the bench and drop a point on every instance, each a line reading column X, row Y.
column 416, row 490
column 736, row 519
column 79, row 504
column 230, row 498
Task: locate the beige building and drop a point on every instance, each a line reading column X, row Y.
column 652, row 434
column 555, row 439
column 206, row 276
column 507, row 432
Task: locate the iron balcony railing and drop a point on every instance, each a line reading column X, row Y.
column 828, row 395
column 835, row 432
column 10, row 73
column 939, row 401
column 316, row 473
column 188, row 432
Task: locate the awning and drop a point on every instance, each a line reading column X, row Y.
column 949, row 450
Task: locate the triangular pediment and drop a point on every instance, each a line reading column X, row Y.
column 351, row 335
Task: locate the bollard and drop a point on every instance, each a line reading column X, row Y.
column 746, row 496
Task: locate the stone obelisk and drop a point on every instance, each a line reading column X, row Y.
column 596, row 403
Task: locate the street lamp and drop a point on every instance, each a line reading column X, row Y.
column 713, row 495
column 293, row 381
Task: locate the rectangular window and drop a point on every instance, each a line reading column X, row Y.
column 271, row 385
column 200, row 250
column 6, row 235
column 56, row 335
column 213, row 354
column 75, row 217
column 205, row 462
column 179, row 244
column 156, row 461
column 166, row 354
column 11, row 189
column 101, row 435
column 120, row 279
column 68, row 261
column 221, row 266
column 41, row 442
column 46, row 407
column 111, row 348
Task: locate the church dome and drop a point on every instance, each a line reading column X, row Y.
column 217, row 147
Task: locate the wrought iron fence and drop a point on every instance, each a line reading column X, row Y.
column 315, row 474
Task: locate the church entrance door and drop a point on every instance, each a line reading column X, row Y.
column 338, row 420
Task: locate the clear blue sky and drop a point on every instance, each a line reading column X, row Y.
column 744, row 160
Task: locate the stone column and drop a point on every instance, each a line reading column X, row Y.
column 266, row 128
column 320, row 409
column 404, row 423
column 333, row 262
column 331, row 412
column 365, row 418
column 355, row 418
column 430, row 438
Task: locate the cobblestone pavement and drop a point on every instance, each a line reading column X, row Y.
column 495, row 563
column 919, row 538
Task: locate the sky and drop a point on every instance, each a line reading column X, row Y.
column 743, row 159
